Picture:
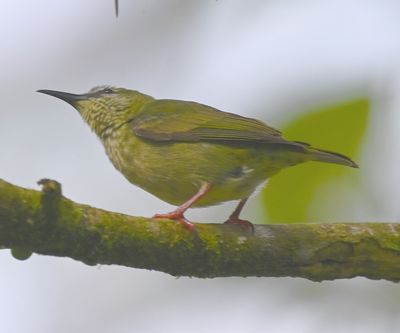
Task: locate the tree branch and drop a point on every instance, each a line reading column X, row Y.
column 47, row 223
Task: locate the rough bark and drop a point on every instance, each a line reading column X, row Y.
column 47, row 223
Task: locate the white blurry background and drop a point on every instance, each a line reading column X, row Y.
column 265, row 59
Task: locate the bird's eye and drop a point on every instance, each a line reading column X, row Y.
column 108, row 91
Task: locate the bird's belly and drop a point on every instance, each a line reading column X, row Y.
column 174, row 172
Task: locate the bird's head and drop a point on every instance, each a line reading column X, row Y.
column 104, row 108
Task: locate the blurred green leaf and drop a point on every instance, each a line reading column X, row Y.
column 290, row 195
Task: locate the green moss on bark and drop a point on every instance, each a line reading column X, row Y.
column 47, row 223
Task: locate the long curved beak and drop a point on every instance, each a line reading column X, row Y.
column 67, row 97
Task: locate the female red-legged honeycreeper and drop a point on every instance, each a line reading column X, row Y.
column 189, row 154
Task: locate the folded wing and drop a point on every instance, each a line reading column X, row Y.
column 170, row 120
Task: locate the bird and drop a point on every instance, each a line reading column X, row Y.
column 186, row 153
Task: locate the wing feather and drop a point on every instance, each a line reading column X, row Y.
column 171, row 120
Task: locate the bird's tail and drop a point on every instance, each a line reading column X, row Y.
column 331, row 157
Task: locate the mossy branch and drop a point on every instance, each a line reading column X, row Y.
column 47, row 223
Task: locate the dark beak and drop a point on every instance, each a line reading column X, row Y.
column 67, row 97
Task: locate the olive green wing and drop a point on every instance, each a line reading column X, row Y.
column 173, row 120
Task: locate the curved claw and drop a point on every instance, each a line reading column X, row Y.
column 177, row 216
column 244, row 224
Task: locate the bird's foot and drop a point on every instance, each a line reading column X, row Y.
column 244, row 224
column 177, row 216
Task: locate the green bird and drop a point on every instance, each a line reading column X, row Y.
column 189, row 154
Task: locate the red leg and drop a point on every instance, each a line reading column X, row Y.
column 234, row 217
column 177, row 214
